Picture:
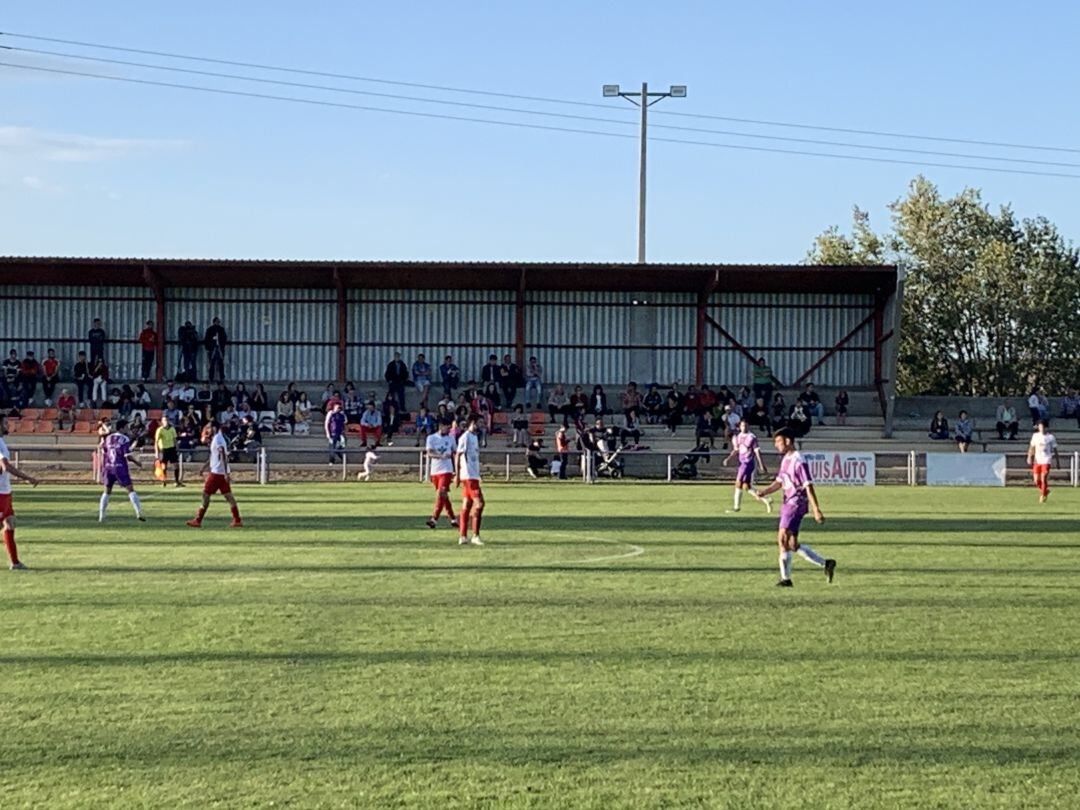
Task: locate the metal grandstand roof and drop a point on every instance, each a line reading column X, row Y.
column 475, row 275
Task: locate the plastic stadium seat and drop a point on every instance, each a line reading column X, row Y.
column 499, row 418
column 154, row 413
column 84, row 427
column 48, row 413
column 31, row 413
column 538, row 418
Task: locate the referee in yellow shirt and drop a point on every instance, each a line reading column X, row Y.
column 165, row 450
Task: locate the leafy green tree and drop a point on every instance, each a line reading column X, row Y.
column 991, row 303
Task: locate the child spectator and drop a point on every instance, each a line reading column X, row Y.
column 519, row 425
column 964, row 428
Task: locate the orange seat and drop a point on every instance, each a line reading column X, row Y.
column 83, row 427
column 45, row 426
column 31, row 413
column 49, row 413
column 23, row 425
column 538, row 418
column 499, row 418
column 537, row 430
column 154, row 413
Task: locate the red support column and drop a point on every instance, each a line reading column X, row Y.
column 519, row 322
column 154, row 283
column 699, row 340
column 879, row 342
column 342, row 328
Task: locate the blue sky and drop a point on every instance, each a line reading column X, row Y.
column 101, row 168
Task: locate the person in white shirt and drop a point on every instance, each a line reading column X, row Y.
column 1041, row 453
column 7, row 513
column 440, row 448
column 467, row 476
column 217, row 477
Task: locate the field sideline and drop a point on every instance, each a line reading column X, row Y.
column 620, row 645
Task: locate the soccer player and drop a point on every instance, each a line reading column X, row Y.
column 745, row 445
column 117, row 453
column 1040, row 455
column 165, row 448
column 467, row 470
column 799, row 497
column 217, row 477
column 440, row 453
column 7, row 513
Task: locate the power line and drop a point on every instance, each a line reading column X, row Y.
column 523, row 111
column 540, row 99
column 521, row 124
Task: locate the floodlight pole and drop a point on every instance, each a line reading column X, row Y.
column 647, row 99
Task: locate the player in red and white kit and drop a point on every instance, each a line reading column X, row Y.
column 7, row 513
column 1040, row 455
column 217, row 480
column 440, row 452
column 467, row 476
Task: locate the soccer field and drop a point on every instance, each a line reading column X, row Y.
column 620, row 645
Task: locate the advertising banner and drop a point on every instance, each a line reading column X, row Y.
column 841, row 468
column 965, row 470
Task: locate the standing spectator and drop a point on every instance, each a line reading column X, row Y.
column 509, row 379
column 96, row 338
column 558, row 403
column 99, row 374
column 188, row 338
column 654, row 405
column 939, row 427
column 534, row 383
column 397, row 377
column 1007, row 421
column 215, row 341
column 812, row 403
column 842, row 400
column 421, row 378
column 65, row 410
column 450, row 375
column 562, row 451
column 51, row 369
column 148, row 339
column 391, row 419
column 425, row 426
column 335, row 432
column 286, row 409
column 598, row 402
column 762, row 380
column 964, row 428
column 12, row 366
column 371, row 425
column 83, row 379
column 29, row 373
column 519, row 426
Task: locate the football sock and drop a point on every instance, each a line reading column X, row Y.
column 478, row 515
column 201, row 513
column 738, row 497
column 466, row 510
column 785, row 565
column 176, row 473
column 236, row 512
column 447, row 506
column 9, row 544
column 134, row 498
column 808, row 553
column 103, row 505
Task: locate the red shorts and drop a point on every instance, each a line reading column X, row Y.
column 6, row 509
column 470, row 488
column 216, row 482
column 442, row 480
column 1040, row 470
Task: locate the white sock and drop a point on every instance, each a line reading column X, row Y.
column 103, row 506
column 134, row 498
column 785, row 565
column 809, row 554
column 738, row 497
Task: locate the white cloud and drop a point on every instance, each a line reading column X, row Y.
column 32, row 143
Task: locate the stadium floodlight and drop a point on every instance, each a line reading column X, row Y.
column 611, row 90
column 678, row 91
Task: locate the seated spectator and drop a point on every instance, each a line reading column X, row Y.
column 654, row 405
column 425, row 426
column 704, row 430
column 1039, row 406
column 187, row 434
column 778, row 411
column 302, row 414
column 631, row 429
column 630, row 399
column 483, row 407
column 286, row 410
column 759, row 416
column 352, row 404
column 258, row 401
column 674, row 409
column 558, row 403
column 598, row 401
column 707, row 399
column 228, row 415
column 50, row 370
column 172, row 411
column 170, row 391
column 691, row 401
column 324, row 399
column 126, row 403
column 799, row 420
column 730, row 419
column 137, row 431
column 519, row 428
column 842, row 400
column 510, row 379
column 724, row 395
column 421, row 378
column 491, row 394
column 964, row 428
column 537, row 464
column 744, row 399
column 812, row 403
column 249, row 442
column 391, row 418
column 203, row 395
column 939, row 427
column 66, row 409
column 1008, row 423
column 579, row 404
column 187, row 394
column 450, row 375
column 1070, row 405
column 371, row 425
column 220, row 399
column 736, row 408
column 240, row 395
column 29, row 373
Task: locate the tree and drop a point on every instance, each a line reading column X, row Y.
column 991, row 304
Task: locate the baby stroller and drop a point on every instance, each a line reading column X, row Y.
column 609, row 462
column 686, row 469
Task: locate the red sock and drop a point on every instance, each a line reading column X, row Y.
column 438, row 507
column 9, row 544
column 477, row 515
column 464, row 524
column 201, row 513
column 447, row 506
column 235, row 512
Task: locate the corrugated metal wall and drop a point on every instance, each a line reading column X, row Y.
column 560, row 326
column 676, row 325
column 467, row 324
column 306, row 318
column 34, row 319
column 816, row 327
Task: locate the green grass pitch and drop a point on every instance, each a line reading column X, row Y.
column 620, row 645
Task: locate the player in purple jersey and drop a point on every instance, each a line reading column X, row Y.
column 116, row 449
column 799, row 497
column 744, row 444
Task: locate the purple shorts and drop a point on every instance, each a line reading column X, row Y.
column 121, row 477
column 791, row 515
column 745, row 475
